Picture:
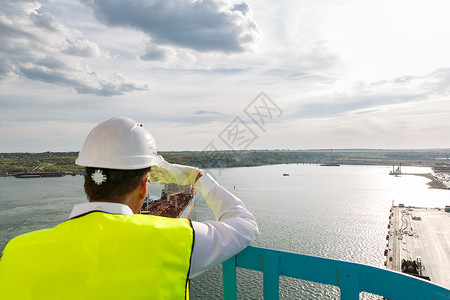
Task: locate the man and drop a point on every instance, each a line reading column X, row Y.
column 108, row 251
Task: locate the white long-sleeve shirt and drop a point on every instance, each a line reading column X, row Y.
column 214, row 241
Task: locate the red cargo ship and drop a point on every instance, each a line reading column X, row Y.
column 175, row 202
column 39, row 174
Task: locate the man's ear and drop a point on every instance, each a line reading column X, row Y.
column 143, row 188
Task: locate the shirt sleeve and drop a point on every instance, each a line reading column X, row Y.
column 232, row 231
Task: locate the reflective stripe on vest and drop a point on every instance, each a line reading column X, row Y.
column 100, row 256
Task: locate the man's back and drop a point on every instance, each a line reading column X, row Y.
column 98, row 256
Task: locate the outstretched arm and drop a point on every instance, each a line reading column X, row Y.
column 234, row 229
column 214, row 241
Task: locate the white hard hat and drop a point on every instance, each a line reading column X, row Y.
column 118, row 143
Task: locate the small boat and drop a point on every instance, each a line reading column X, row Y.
column 285, row 174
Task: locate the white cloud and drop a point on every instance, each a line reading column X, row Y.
column 36, row 45
column 346, row 73
column 83, row 48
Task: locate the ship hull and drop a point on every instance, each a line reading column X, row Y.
column 178, row 207
column 39, row 174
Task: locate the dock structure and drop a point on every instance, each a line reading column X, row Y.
column 420, row 236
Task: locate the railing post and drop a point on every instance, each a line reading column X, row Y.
column 271, row 273
column 349, row 281
column 229, row 279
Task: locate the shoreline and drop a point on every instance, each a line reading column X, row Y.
column 438, row 159
column 434, row 183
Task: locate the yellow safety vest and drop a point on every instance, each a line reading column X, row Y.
column 100, row 256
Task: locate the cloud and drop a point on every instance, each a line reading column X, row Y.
column 157, row 53
column 83, row 48
column 36, row 45
column 201, row 25
column 45, row 21
column 207, row 112
column 377, row 96
column 84, row 83
column 6, row 69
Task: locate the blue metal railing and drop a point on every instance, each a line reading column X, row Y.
column 351, row 278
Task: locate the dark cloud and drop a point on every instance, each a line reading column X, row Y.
column 202, row 25
column 157, row 53
column 45, row 21
column 241, row 7
column 36, row 45
column 5, row 68
column 53, row 63
column 15, row 41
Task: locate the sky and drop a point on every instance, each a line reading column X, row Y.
column 217, row 74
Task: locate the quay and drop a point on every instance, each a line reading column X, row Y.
column 421, row 237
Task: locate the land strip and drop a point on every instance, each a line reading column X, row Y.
column 65, row 161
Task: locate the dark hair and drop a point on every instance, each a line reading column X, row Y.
column 118, row 183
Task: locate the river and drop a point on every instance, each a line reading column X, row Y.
column 334, row 212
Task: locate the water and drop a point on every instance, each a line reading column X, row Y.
column 334, row 212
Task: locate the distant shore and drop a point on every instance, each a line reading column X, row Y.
column 65, row 161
